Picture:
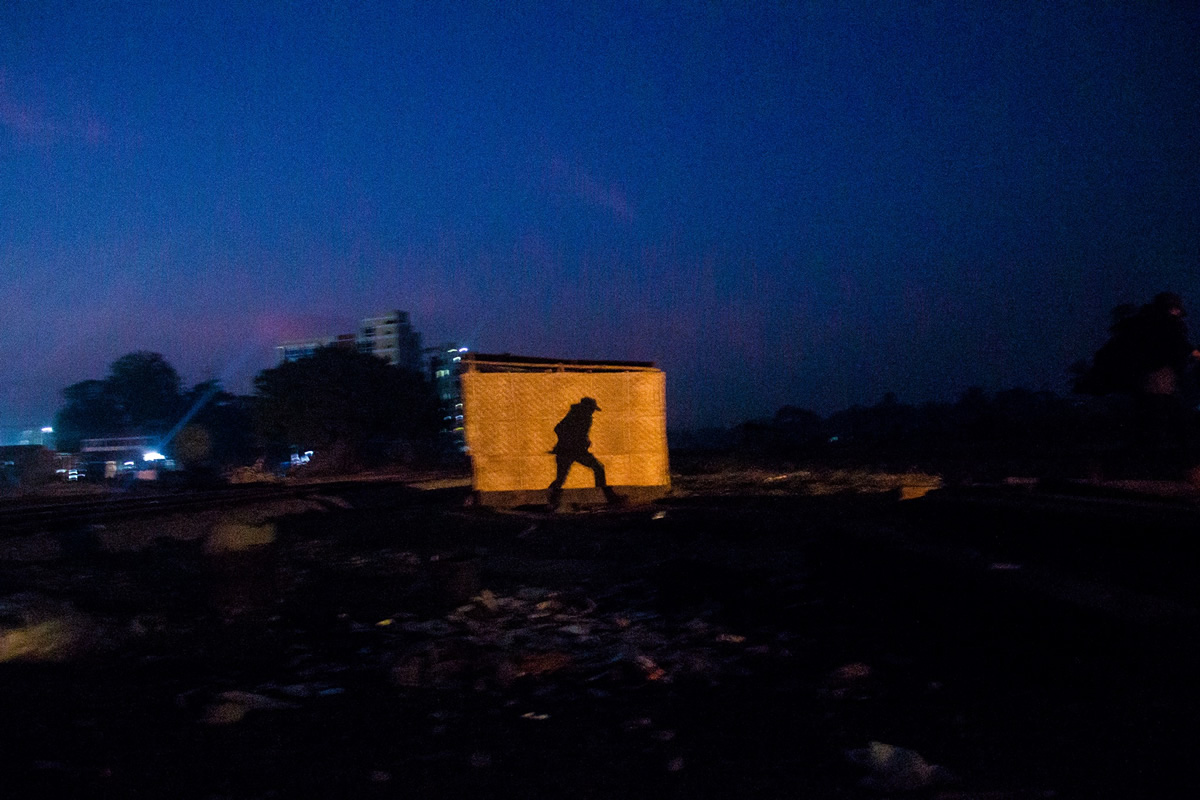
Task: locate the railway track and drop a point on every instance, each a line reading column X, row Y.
column 18, row 518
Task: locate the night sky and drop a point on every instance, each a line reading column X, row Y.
column 778, row 202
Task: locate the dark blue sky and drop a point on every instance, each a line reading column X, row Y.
column 778, row 202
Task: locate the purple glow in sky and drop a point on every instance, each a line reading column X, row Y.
column 780, row 203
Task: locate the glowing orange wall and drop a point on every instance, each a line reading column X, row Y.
column 510, row 419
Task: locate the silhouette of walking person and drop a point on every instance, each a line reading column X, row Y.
column 572, row 448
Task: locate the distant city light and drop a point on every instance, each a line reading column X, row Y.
column 47, row 429
column 462, row 349
column 153, row 455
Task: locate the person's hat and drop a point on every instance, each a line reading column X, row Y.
column 590, row 402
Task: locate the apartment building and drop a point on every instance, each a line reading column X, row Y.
column 388, row 336
column 391, row 337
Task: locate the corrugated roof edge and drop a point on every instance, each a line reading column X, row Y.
column 501, row 360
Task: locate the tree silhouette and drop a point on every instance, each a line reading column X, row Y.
column 141, row 396
column 147, row 391
column 341, row 401
column 88, row 411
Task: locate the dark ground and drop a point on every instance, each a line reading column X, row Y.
column 732, row 641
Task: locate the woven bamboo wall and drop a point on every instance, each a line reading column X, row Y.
column 510, row 419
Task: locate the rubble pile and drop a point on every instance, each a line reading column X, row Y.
column 496, row 641
column 807, row 482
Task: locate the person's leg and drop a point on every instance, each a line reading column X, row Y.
column 562, row 465
column 591, row 462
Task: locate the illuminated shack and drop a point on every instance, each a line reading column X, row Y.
column 512, row 405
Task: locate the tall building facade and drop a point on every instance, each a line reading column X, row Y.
column 388, row 336
column 391, row 337
column 445, row 369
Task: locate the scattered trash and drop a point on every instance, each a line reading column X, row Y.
column 659, row 515
column 254, row 474
column 231, row 536
column 480, row 760
column 1003, row 565
column 433, row 627
column 455, row 578
column 34, row 628
column 1014, row 480
column 488, row 601
column 234, row 705
column 261, row 702
column 543, row 663
column 535, row 716
column 855, row 681
column 1020, row 794
column 224, row 714
column 650, row 670
column 675, row 764
column 919, row 490
column 819, row 482
column 894, row 769
column 535, row 634
column 852, row 672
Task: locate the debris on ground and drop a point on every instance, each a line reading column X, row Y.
column 535, row 633
column 378, row 645
column 36, row 628
column 895, row 769
column 232, row 706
